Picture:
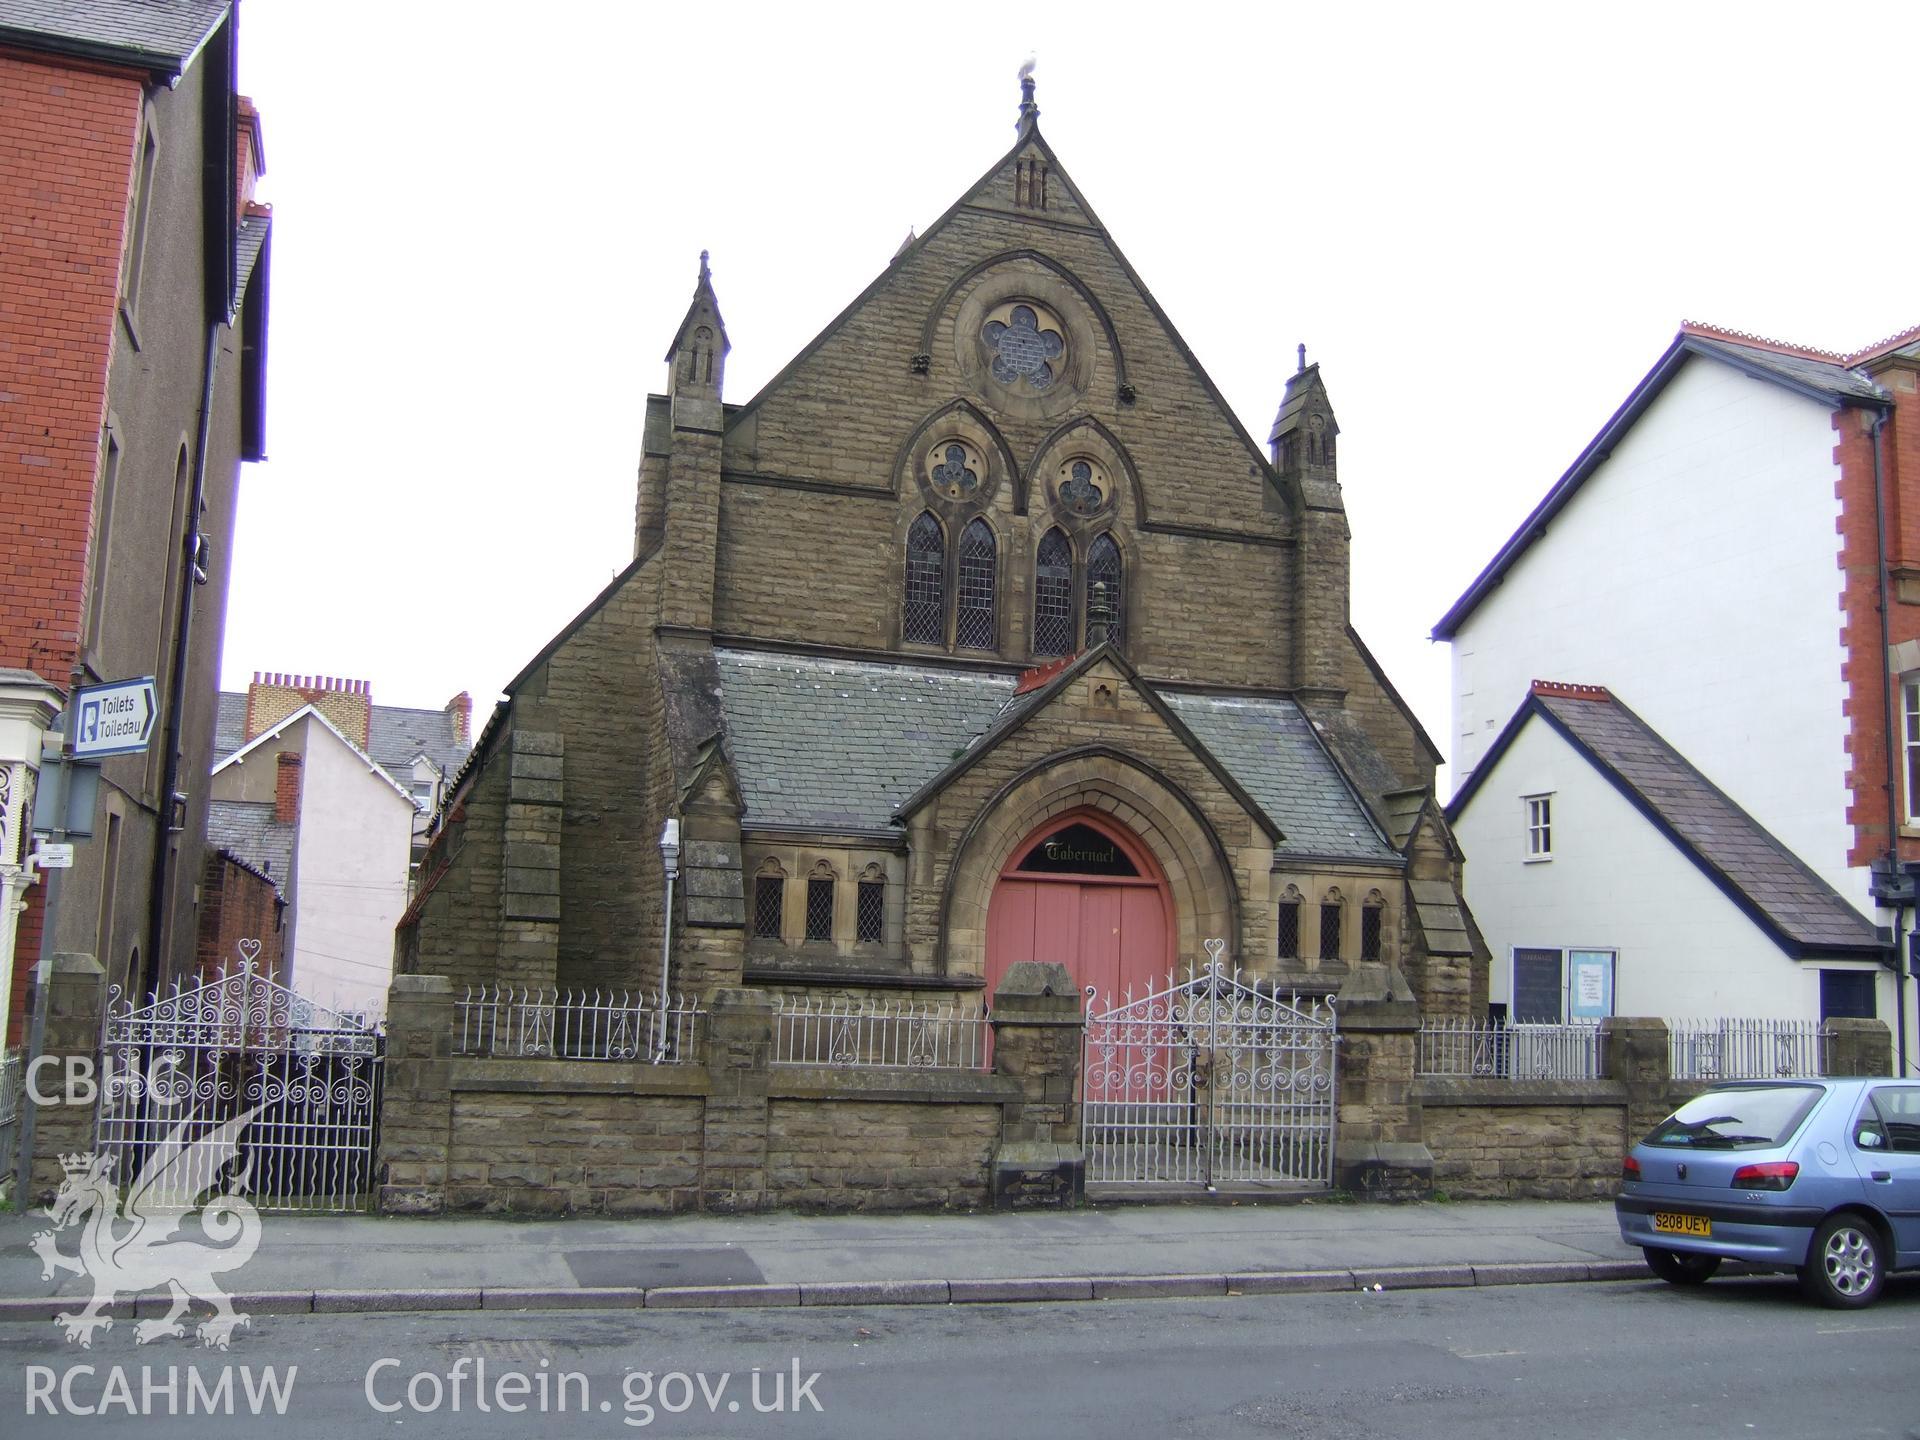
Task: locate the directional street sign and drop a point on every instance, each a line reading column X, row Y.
column 112, row 719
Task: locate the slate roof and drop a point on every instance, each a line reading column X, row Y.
column 1269, row 746
column 1441, row 917
column 395, row 734
column 159, row 34
column 248, row 239
column 248, row 830
column 1830, row 379
column 1775, row 888
column 839, row 744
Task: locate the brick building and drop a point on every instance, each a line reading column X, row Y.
column 1732, row 567
column 983, row 633
column 133, row 327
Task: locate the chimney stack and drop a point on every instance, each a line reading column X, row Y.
column 347, row 703
column 460, row 713
column 286, row 789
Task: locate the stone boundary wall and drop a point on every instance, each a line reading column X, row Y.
column 735, row 1133
column 1565, row 1139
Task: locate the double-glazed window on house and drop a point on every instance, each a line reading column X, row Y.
column 1910, row 707
column 1539, row 827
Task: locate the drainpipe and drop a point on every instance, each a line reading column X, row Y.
column 1888, row 696
column 670, row 859
column 190, row 580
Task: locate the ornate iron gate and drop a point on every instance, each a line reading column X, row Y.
column 1209, row 1081
column 239, row 1045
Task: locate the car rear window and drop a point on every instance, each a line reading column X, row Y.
column 1737, row 1119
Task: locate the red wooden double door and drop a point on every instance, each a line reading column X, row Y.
column 1084, row 892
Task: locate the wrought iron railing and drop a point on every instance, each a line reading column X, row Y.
column 509, row 1020
column 1465, row 1049
column 872, row 1034
column 1746, row 1049
column 13, row 1069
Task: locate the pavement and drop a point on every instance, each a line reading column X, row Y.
column 336, row 1264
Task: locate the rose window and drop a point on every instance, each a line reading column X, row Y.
column 1026, row 345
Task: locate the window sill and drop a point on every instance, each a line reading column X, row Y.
column 1536, row 860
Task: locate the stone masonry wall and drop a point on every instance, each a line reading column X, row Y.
column 557, row 1152
column 1510, row 1143
column 876, row 1155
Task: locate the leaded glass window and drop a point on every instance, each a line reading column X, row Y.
column 1371, row 917
column 974, row 627
column 1053, row 596
column 1330, row 930
column 923, row 615
column 769, row 899
column 1103, row 568
column 819, row 908
column 1024, row 346
column 954, row 472
column 870, row 919
column 1289, row 927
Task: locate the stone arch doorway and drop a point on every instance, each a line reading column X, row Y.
column 1084, row 891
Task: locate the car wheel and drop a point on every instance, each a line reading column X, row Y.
column 1846, row 1264
column 1680, row 1268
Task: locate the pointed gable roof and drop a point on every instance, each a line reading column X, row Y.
column 1766, row 881
column 1067, row 206
column 1828, row 380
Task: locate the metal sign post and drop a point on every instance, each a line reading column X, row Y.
column 100, row 720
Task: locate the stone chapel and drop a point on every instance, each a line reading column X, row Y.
column 983, row 633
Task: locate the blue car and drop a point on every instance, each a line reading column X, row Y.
column 1820, row 1177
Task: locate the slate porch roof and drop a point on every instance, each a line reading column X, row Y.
column 838, row 744
column 248, row 830
column 1777, row 890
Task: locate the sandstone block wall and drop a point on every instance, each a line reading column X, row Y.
column 559, row 1152
column 877, row 1155
column 1499, row 1140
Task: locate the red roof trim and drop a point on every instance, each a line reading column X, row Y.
column 1568, row 690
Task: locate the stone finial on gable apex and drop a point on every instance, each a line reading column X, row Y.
column 697, row 358
column 1029, row 112
column 1302, row 438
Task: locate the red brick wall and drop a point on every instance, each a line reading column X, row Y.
column 1864, row 671
column 236, row 905
column 65, row 176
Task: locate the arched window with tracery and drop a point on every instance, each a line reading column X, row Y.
column 1053, row 618
column 1103, row 568
column 974, row 627
column 923, row 611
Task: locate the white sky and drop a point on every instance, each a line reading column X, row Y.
column 1485, row 223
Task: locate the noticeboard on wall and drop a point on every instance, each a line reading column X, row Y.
column 1589, row 984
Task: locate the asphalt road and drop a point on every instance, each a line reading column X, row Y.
column 1741, row 1358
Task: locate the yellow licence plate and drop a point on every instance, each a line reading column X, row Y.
column 1672, row 1224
